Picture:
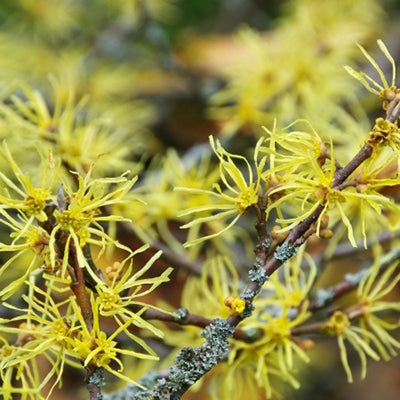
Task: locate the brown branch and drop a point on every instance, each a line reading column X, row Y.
column 218, row 333
column 351, row 282
column 78, row 286
column 315, row 327
column 94, row 383
column 335, row 292
column 394, row 113
column 181, row 317
column 297, row 236
column 342, row 174
column 174, row 259
column 261, row 222
column 184, row 317
column 94, row 391
column 352, row 313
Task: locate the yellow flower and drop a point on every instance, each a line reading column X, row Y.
column 28, row 241
column 156, row 189
column 274, row 353
column 204, row 295
column 80, row 218
column 380, row 280
column 291, row 289
column 247, row 377
column 339, row 325
column 32, row 199
column 94, row 347
column 120, row 299
column 289, row 149
column 239, row 193
column 59, row 332
column 369, row 83
column 280, row 307
column 19, row 379
column 369, row 209
column 43, row 331
column 389, row 93
column 235, row 305
column 301, row 179
column 79, row 142
column 302, row 191
column 313, row 43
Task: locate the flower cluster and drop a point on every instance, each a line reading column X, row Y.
column 52, row 234
column 267, row 352
column 47, row 222
column 297, row 171
column 59, row 330
column 78, row 139
column 77, row 278
column 312, row 48
column 161, row 220
column 362, row 325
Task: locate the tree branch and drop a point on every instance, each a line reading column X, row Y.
column 95, row 382
column 192, row 363
column 351, row 282
column 78, row 286
column 184, row 317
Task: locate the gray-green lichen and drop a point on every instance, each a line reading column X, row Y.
column 190, row 365
column 97, row 379
column 267, row 243
column 285, row 252
column 323, row 296
column 259, row 262
column 258, row 275
column 356, row 278
column 248, row 294
column 181, row 313
column 135, row 392
column 193, row 362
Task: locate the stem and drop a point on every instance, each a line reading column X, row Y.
column 295, row 235
column 176, row 259
column 183, row 317
column 79, row 288
column 342, row 174
column 351, row 282
column 94, row 392
column 95, row 381
column 315, row 327
column 185, row 372
column 335, row 292
column 394, row 114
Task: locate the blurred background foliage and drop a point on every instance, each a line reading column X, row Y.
column 144, row 82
